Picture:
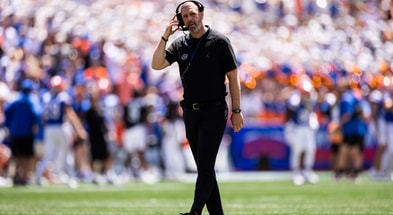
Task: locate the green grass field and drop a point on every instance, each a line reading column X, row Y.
column 240, row 197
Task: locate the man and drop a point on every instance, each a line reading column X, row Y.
column 80, row 103
column 205, row 58
column 58, row 109
column 300, row 131
column 135, row 117
column 383, row 165
column 101, row 134
column 377, row 128
column 354, row 115
column 21, row 119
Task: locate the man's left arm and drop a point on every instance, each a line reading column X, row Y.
column 235, row 93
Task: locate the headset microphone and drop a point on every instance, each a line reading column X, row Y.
column 179, row 17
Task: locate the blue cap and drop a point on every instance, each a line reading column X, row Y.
column 27, row 85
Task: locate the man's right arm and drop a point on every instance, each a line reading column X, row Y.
column 159, row 61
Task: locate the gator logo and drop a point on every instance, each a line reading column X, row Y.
column 184, row 56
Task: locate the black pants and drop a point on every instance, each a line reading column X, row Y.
column 22, row 146
column 204, row 130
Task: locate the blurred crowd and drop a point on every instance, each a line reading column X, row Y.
column 97, row 53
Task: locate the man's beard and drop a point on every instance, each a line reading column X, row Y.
column 194, row 27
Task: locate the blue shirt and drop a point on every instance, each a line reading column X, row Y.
column 301, row 109
column 54, row 109
column 22, row 115
column 355, row 108
column 387, row 112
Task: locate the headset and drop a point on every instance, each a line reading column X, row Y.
column 178, row 13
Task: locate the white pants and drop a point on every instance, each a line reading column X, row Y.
column 387, row 157
column 172, row 154
column 56, row 145
column 381, row 129
column 135, row 139
column 301, row 139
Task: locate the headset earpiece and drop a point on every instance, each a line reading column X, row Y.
column 178, row 13
column 181, row 22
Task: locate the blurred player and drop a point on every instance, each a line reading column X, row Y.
column 133, row 133
column 5, row 151
column 58, row 109
column 300, row 129
column 385, row 147
column 5, row 155
column 354, row 113
column 174, row 136
column 80, row 103
column 22, row 119
column 377, row 128
column 101, row 127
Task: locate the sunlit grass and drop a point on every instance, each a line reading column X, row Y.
column 249, row 197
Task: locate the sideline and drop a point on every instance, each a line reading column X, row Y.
column 245, row 176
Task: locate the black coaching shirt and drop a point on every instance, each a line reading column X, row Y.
column 203, row 64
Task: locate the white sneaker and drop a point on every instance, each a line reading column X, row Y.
column 99, row 179
column 150, row 176
column 73, row 183
column 311, row 177
column 378, row 175
column 6, row 182
column 112, row 178
column 42, row 182
column 298, row 179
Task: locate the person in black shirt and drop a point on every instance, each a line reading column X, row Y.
column 206, row 60
column 98, row 133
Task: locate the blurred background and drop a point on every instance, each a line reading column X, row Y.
column 277, row 43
